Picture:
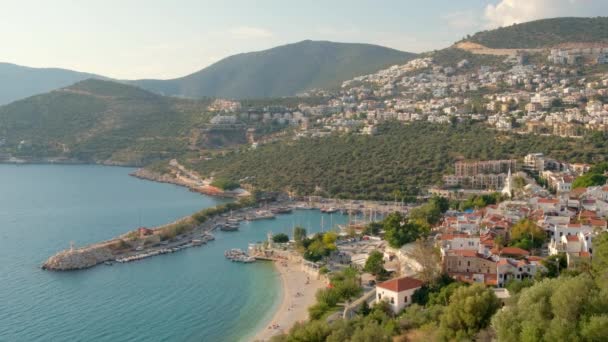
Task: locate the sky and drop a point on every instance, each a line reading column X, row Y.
column 133, row 39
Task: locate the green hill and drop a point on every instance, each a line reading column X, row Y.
column 281, row 71
column 545, row 33
column 97, row 121
column 18, row 82
column 403, row 158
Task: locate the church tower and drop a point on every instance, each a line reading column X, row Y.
column 507, row 190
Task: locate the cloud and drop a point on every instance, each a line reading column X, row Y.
column 249, row 32
column 461, row 19
column 508, row 12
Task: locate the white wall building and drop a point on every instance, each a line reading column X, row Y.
column 398, row 292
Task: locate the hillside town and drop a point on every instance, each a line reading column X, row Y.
column 531, row 232
column 559, row 92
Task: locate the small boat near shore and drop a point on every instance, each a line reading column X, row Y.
column 260, row 215
column 330, row 210
column 228, row 227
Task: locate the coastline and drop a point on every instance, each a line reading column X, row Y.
column 293, row 308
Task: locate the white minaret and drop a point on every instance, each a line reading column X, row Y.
column 507, row 189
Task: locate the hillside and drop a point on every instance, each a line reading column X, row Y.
column 545, row 33
column 403, row 158
column 100, row 121
column 18, row 82
column 281, row 71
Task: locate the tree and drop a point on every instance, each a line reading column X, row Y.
column 330, row 238
column 225, row 184
column 515, row 286
column 370, row 332
column 372, row 228
column 589, row 179
column 399, row 231
column 315, row 331
column 375, row 263
column 526, row 234
column 559, row 309
column 280, row 238
column 427, row 256
column 364, row 309
column 519, row 182
column 299, row 234
column 469, row 311
column 555, row 264
column 600, row 256
column 443, row 296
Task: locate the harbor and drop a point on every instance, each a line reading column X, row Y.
column 145, row 242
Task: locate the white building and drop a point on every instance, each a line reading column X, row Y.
column 398, row 292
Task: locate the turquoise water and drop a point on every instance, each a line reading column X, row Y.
column 193, row 295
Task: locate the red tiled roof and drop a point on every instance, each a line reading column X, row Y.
column 598, row 223
column 548, row 200
column 588, row 214
column 453, row 236
column 512, row 251
column 572, row 238
column 503, row 262
column 401, row 284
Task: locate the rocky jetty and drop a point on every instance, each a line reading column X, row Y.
column 76, row 259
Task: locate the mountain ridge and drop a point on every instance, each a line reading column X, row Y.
column 100, row 121
column 544, row 33
column 284, row 70
column 17, row 81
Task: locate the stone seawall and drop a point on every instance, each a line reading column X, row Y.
column 77, row 259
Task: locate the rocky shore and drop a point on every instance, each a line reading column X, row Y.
column 195, row 183
column 77, row 259
column 145, row 174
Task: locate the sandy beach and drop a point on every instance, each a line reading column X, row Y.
column 297, row 297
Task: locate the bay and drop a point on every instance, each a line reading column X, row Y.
column 193, row 295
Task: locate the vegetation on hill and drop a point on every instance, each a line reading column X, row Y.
column 526, row 234
column 400, row 159
column 225, row 184
column 95, row 121
column 545, row 33
column 569, row 306
column 281, row 71
column 595, row 176
column 18, row 82
column 399, row 230
column 562, row 309
column 452, row 56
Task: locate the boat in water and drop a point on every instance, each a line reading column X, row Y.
column 330, row 210
column 228, row 227
column 260, row 215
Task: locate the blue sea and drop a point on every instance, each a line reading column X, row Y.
column 192, row 295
